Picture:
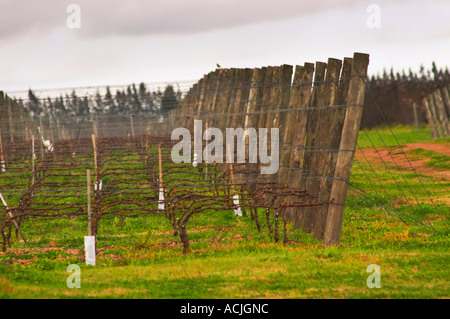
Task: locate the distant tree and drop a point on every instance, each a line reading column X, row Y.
column 108, row 100
column 121, row 102
column 169, row 100
column 136, row 107
column 145, row 97
column 60, row 108
column 51, row 107
column 33, row 105
column 435, row 71
column 98, row 107
column 83, row 107
column 72, row 103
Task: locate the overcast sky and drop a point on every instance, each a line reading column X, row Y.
column 123, row 42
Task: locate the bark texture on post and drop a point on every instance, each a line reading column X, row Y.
column 345, row 157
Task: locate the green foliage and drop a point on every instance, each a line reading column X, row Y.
column 380, row 137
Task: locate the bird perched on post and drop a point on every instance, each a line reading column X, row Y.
column 218, row 65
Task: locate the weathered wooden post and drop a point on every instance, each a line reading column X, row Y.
column 251, row 121
column 434, row 115
column 295, row 136
column 349, row 138
column 416, row 118
column 432, row 125
column 303, row 218
column 441, row 113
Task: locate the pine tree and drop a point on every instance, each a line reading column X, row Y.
column 51, row 108
column 169, row 100
column 108, row 101
column 136, row 107
column 145, row 97
column 98, row 107
column 121, row 101
column 33, row 105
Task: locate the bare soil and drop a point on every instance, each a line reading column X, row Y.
column 404, row 162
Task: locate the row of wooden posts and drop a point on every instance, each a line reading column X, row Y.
column 437, row 106
column 317, row 109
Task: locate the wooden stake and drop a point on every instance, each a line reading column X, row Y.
column 160, row 168
column 59, row 129
column 95, row 156
column 416, row 118
column 146, row 143
column 51, row 132
column 432, row 125
column 33, row 156
column 42, row 139
column 231, row 171
column 94, row 124
column 132, row 126
column 11, row 126
column 89, row 211
column 2, row 157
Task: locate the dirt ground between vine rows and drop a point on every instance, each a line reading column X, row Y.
column 391, row 158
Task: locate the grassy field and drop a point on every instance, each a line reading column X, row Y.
column 399, row 224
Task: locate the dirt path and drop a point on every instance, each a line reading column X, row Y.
column 390, row 158
column 438, row 148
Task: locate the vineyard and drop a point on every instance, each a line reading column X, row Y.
column 336, row 190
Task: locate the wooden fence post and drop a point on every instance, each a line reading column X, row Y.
column 251, row 121
column 323, row 144
column 347, row 146
column 432, row 125
column 302, row 218
column 441, row 113
column 333, row 120
column 300, row 98
column 89, row 209
column 416, row 118
column 434, row 115
column 446, row 98
column 276, row 120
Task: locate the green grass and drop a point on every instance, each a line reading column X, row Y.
column 437, row 160
column 382, row 136
column 139, row 257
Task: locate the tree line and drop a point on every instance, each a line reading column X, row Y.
column 132, row 100
column 390, row 96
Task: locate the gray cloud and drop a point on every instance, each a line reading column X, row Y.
column 140, row 17
column 22, row 16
